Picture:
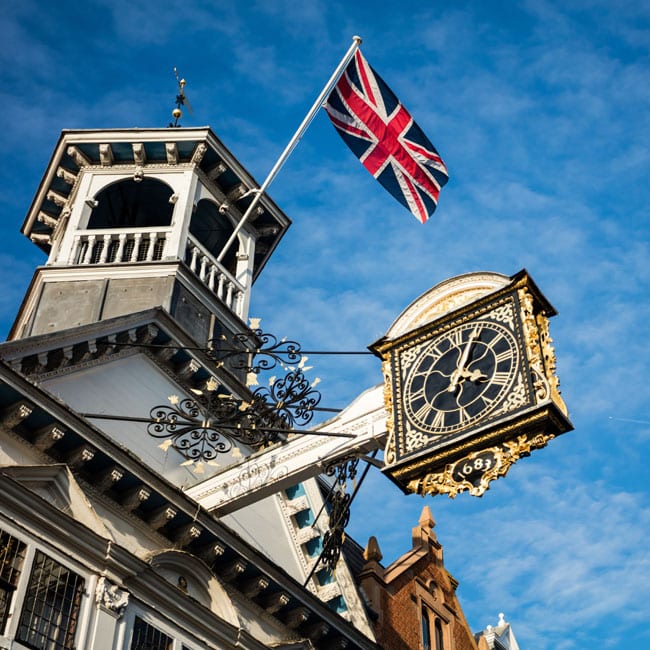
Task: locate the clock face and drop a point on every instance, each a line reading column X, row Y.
column 460, row 377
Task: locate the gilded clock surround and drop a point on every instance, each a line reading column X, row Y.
column 527, row 415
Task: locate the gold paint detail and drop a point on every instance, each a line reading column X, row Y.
column 533, row 347
column 415, row 439
column 548, row 352
column 504, row 314
column 409, row 356
column 505, row 455
column 389, row 451
column 516, row 398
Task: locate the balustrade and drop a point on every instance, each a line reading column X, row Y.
column 214, row 276
column 118, row 246
column 147, row 245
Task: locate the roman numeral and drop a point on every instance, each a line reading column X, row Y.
column 423, row 411
column 503, row 355
column 438, row 420
column 500, row 378
column 457, row 338
column 418, row 395
column 463, row 416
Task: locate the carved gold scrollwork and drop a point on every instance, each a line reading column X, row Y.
column 548, row 355
column 389, row 452
column 474, row 472
column 503, row 314
column 542, row 389
column 533, row 346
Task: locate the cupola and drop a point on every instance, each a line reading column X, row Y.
column 137, row 218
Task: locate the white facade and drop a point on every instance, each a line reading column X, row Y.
column 107, row 541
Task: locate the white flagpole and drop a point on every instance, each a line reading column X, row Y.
column 356, row 41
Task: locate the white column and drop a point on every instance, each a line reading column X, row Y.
column 136, row 247
column 120, row 247
column 152, row 245
column 74, row 249
column 104, row 254
column 89, row 250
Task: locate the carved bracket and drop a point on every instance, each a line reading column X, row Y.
column 474, row 472
column 111, row 598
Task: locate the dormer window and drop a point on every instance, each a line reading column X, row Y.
column 133, row 204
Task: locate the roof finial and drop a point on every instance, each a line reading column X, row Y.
column 181, row 100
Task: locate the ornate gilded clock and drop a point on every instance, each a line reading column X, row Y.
column 470, row 383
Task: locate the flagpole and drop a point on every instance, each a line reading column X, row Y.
column 356, row 41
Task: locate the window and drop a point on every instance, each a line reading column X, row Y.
column 438, row 635
column 48, row 620
column 426, row 630
column 12, row 556
column 147, row 637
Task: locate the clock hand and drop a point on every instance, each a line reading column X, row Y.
column 457, row 375
column 473, row 375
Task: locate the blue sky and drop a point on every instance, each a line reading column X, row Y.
column 540, row 110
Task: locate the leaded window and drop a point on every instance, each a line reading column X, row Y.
column 147, row 637
column 12, row 556
column 48, row 620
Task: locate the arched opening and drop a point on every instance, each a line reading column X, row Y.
column 426, row 629
column 212, row 230
column 192, row 577
column 131, row 204
column 440, row 642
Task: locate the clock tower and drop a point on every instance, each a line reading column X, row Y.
column 138, row 218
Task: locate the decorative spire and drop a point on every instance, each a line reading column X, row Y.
column 181, row 100
column 423, row 535
column 372, row 552
column 426, row 519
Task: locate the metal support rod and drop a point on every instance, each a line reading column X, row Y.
column 356, row 41
column 216, row 425
column 190, row 348
column 354, row 494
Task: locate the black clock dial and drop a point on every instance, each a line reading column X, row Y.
column 460, row 377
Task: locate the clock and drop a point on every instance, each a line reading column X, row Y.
column 460, row 377
column 469, row 375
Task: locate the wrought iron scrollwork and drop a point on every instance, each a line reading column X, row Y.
column 254, row 351
column 209, row 424
column 292, row 398
column 203, row 427
column 189, row 430
column 339, row 514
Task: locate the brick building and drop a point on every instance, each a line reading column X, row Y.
column 413, row 600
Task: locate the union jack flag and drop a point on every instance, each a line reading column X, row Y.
column 383, row 135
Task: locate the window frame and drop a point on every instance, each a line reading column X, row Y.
column 434, row 618
column 179, row 637
column 18, row 599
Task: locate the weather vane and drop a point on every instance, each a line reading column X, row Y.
column 181, row 100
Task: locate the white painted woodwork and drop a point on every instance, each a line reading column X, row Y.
column 298, row 459
column 130, row 387
column 261, row 524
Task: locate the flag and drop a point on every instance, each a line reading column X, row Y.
column 383, row 135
